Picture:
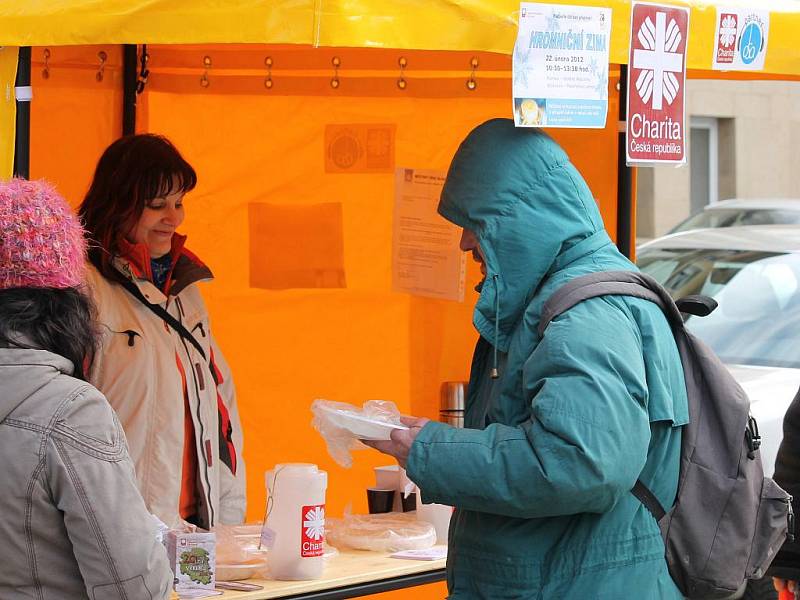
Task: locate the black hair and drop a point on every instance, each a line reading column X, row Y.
column 61, row 321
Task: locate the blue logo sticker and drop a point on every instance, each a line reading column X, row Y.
column 751, row 42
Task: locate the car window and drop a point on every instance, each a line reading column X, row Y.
column 768, row 217
column 758, row 318
column 725, row 217
column 735, row 217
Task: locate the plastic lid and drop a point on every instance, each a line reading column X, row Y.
column 295, row 471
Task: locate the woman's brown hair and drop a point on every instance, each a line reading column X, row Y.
column 131, row 172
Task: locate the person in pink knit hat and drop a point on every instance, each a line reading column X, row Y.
column 72, row 521
column 42, row 243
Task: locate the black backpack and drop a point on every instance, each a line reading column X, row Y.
column 728, row 520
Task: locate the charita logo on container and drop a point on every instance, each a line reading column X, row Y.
column 313, row 537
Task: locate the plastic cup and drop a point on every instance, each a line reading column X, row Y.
column 409, row 502
column 379, row 500
column 388, row 478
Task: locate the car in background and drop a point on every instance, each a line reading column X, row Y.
column 753, row 272
column 737, row 213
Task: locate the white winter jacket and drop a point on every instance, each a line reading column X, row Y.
column 138, row 368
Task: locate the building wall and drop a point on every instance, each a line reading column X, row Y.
column 759, row 150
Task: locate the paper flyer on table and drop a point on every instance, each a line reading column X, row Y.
column 426, row 259
column 560, row 66
column 433, row 553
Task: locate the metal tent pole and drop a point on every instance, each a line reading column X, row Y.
column 22, row 140
column 624, row 174
column 129, row 89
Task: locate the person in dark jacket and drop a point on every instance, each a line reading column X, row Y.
column 785, row 569
column 557, row 428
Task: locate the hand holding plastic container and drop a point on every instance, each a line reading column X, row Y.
column 296, row 515
column 343, row 425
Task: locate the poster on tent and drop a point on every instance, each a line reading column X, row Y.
column 741, row 39
column 656, row 123
column 560, row 66
column 426, row 259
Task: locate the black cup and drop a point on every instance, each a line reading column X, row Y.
column 409, row 502
column 379, row 500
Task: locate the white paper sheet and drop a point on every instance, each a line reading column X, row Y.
column 426, row 259
column 433, row 553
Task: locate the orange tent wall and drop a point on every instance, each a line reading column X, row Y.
column 75, row 114
column 288, row 347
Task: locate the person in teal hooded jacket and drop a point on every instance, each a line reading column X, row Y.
column 559, row 428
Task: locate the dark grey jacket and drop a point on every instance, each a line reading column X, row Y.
column 787, row 474
column 72, row 522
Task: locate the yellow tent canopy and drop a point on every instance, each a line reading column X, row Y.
column 468, row 25
column 414, row 25
column 261, row 152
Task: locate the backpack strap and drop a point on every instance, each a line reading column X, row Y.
column 227, row 451
column 648, row 498
column 179, row 327
column 622, row 283
column 609, row 283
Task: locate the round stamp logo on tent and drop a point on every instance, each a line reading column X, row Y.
column 345, row 151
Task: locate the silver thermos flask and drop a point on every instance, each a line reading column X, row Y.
column 451, row 406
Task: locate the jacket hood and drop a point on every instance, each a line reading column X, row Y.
column 23, row 372
column 530, row 210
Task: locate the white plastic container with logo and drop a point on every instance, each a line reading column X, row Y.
column 296, row 515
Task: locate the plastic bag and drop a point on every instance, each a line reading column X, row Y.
column 238, row 554
column 341, row 441
column 386, row 532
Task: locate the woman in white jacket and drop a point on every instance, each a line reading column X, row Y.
column 158, row 363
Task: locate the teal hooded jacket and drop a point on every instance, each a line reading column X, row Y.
column 541, row 474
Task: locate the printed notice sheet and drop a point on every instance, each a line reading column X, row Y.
column 426, row 259
column 560, row 68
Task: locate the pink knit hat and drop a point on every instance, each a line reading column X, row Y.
column 41, row 240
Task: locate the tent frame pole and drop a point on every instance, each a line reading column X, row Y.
column 129, row 79
column 624, row 173
column 22, row 137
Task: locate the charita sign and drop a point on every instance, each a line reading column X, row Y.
column 656, row 124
